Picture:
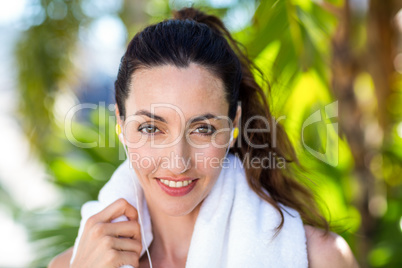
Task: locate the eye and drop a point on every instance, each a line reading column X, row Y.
column 148, row 129
column 205, row 130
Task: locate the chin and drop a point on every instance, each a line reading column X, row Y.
column 178, row 209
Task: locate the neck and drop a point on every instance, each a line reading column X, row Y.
column 172, row 234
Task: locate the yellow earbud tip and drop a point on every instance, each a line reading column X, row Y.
column 235, row 133
column 118, row 129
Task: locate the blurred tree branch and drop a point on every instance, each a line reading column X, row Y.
column 347, row 64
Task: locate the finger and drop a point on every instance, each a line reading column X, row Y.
column 116, row 209
column 122, row 244
column 115, row 258
column 128, row 229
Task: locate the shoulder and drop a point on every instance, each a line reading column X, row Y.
column 327, row 250
column 62, row 260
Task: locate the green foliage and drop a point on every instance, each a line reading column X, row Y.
column 290, row 43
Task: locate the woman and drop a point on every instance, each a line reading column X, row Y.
column 184, row 90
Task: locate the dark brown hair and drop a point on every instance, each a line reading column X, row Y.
column 195, row 37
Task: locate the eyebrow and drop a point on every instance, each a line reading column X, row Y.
column 193, row 120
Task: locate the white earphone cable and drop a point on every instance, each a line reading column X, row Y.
column 138, row 206
column 230, row 140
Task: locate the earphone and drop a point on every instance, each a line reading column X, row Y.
column 233, row 135
column 120, row 134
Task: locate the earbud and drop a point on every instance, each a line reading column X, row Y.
column 234, row 134
column 118, row 129
column 120, row 134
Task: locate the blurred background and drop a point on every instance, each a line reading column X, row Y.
column 344, row 55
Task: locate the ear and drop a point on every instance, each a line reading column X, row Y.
column 236, row 123
column 118, row 119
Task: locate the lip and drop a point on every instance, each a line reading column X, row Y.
column 177, row 191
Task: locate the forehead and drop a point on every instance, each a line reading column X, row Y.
column 192, row 90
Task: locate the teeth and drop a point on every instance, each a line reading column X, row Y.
column 174, row 184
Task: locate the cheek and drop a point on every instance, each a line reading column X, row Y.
column 144, row 160
column 209, row 160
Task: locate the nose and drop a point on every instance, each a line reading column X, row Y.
column 180, row 156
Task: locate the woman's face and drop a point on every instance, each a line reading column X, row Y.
column 177, row 131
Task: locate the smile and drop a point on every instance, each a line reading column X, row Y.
column 176, row 187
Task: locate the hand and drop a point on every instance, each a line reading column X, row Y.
column 107, row 244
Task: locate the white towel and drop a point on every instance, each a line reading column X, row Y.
column 234, row 228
